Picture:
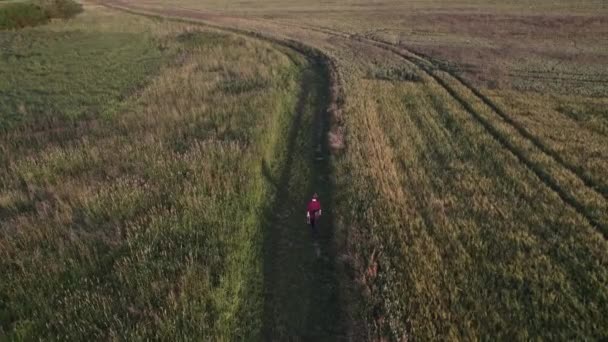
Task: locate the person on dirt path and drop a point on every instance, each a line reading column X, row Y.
column 313, row 212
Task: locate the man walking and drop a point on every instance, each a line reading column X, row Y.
column 313, row 212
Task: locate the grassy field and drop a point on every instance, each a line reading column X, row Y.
column 131, row 198
column 549, row 52
column 470, row 199
column 465, row 197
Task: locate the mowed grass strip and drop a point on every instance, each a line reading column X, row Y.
column 131, row 196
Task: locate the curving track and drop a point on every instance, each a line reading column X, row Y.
column 301, row 290
column 571, row 184
column 556, row 172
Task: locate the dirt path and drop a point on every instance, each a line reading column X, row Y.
column 439, row 74
column 301, row 289
column 301, row 292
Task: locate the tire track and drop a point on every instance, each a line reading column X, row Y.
column 428, row 66
column 588, row 181
column 300, row 288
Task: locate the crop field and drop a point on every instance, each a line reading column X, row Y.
column 156, row 158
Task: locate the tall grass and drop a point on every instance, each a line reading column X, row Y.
column 133, row 209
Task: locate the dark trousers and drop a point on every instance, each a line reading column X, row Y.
column 313, row 227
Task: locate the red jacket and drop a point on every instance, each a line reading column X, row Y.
column 313, row 206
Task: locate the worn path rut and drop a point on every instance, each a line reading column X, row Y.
column 301, row 292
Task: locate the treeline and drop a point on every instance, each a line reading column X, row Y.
column 15, row 15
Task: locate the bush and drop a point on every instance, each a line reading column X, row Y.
column 22, row 14
column 396, row 75
column 63, row 9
